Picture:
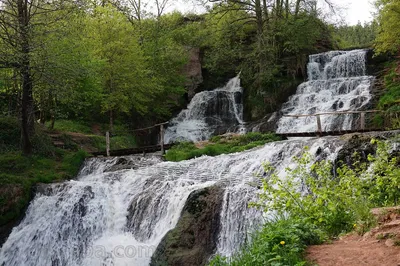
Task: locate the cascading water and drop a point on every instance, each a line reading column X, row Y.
column 209, row 112
column 337, row 82
column 113, row 216
column 108, row 217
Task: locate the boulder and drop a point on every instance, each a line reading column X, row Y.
column 194, row 238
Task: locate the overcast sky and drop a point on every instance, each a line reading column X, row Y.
column 356, row 10
column 352, row 10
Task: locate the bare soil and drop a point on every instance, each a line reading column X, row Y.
column 379, row 247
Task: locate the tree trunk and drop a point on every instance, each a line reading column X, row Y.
column 297, row 10
column 27, row 114
column 111, row 127
column 287, row 9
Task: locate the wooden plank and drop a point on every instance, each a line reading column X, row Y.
column 319, row 125
column 162, row 138
column 156, row 125
column 326, row 133
column 108, row 143
column 335, row 113
column 133, row 150
column 362, row 121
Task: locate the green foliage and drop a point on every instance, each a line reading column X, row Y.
column 357, row 36
column 390, row 101
column 388, row 39
column 312, row 203
column 18, row 175
column 383, row 179
column 72, row 126
column 9, row 132
column 187, row 150
column 334, row 204
column 280, row 242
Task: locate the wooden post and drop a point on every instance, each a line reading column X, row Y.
column 162, row 138
column 362, row 121
column 319, row 125
column 108, row 143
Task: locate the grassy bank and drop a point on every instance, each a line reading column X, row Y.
column 93, row 134
column 18, row 175
column 219, row 145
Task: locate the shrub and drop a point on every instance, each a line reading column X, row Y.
column 382, row 180
column 10, row 134
column 279, row 242
column 310, row 192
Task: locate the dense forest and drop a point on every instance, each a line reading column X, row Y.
column 123, row 62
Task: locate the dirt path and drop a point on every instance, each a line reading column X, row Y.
column 379, row 247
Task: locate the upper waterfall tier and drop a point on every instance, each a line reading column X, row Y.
column 209, row 112
column 337, row 64
column 337, row 82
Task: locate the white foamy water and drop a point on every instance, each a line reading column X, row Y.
column 337, row 82
column 119, row 217
column 209, row 112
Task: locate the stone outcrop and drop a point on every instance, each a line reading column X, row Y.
column 193, row 240
column 192, row 71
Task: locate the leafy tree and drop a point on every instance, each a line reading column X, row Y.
column 388, row 39
column 19, row 21
column 128, row 83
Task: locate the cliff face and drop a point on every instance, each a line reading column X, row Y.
column 193, row 72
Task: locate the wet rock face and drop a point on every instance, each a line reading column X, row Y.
column 360, row 144
column 267, row 124
column 193, row 240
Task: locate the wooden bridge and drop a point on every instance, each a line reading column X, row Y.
column 362, row 124
column 138, row 150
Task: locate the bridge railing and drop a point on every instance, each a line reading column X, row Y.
column 161, row 142
column 367, row 120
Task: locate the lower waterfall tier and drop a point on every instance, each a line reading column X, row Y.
column 116, row 216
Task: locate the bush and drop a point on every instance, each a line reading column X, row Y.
column 334, row 204
column 280, row 242
column 10, row 134
column 382, row 180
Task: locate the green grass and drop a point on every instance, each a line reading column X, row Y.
column 390, row 101
column 18, row 175
column 72, row 126
column 219, row 145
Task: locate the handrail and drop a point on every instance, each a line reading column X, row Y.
column 319, row 123
column 161, row 125
column 156, row 125
column 334, row 113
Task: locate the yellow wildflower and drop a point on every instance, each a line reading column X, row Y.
column 355, row 225
column 282, row 243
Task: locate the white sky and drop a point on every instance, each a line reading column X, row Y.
column 356, row 10
column 351, row 11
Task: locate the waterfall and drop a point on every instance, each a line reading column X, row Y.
column 113, row 215
column 337, row 82
column 117, row 217
column 208, row 113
